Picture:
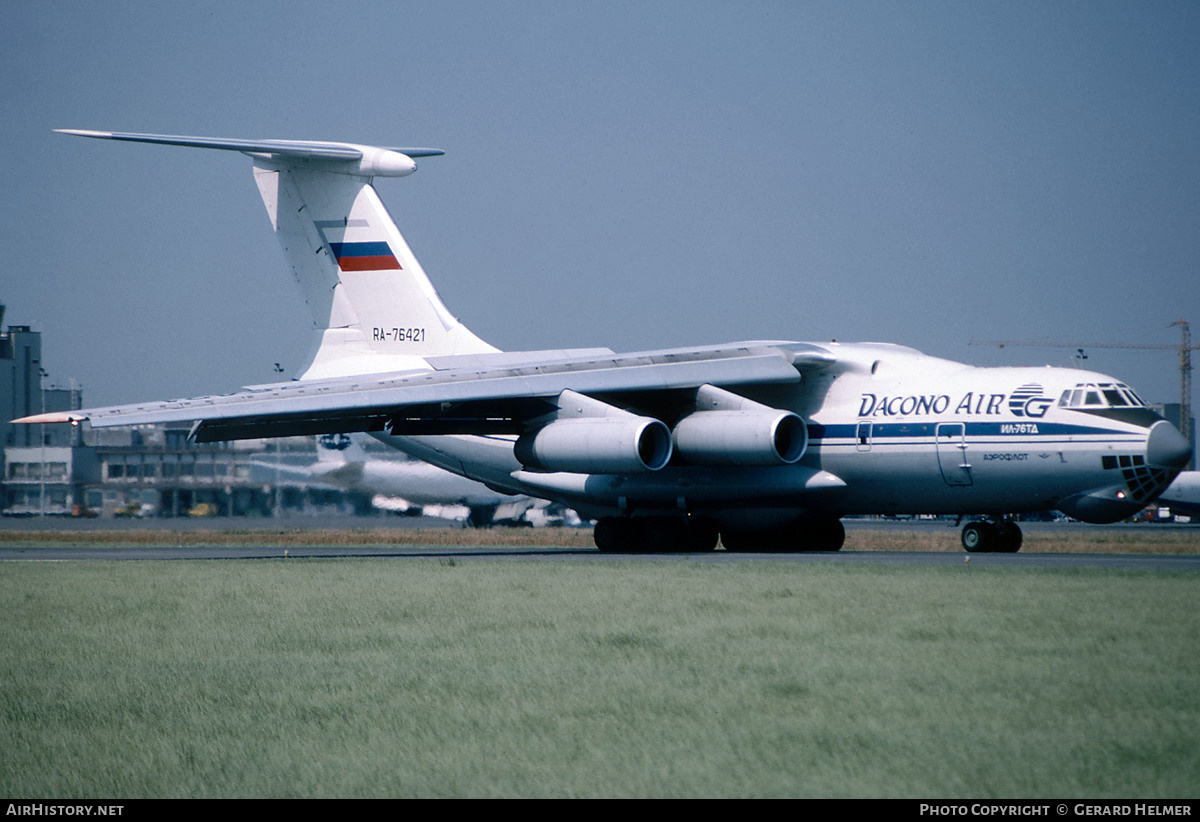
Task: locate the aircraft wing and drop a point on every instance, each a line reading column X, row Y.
column 461, row 394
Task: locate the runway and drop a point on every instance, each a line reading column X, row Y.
column 50, row 540
column 44, row 553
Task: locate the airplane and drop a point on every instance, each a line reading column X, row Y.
column 404, row 484
column 1183, row 494
column 762, row 445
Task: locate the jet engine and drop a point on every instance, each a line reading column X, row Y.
column 728, row 429
column 751, row 438
column 607, row 445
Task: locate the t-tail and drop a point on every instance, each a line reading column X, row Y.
column 373, row 308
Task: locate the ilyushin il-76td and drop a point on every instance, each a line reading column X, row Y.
column 763, row 445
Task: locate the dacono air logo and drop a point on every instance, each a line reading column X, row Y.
column 1027, row 401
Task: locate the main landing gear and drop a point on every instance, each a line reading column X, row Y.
column 802, row 536
column 996, row 537
column 643, row 535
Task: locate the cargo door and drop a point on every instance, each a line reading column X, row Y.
column 951, row 440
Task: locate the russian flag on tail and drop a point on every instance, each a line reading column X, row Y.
column 374, row 256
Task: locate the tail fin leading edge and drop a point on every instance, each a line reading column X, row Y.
column 373, row 308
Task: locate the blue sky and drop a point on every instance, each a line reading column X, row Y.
column 636, row 175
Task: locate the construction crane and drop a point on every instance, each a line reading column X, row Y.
column 1185, row 349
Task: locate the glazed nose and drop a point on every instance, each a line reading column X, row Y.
column 1166, row 447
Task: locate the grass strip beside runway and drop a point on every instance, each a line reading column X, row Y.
column 430, row 678
column 860, row 536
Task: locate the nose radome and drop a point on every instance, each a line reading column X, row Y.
column 1166, row 446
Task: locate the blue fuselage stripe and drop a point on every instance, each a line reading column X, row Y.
column 918, row 430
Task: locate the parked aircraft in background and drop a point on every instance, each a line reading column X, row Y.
column 411, row 486
column 1183, row 494
column 766, row 444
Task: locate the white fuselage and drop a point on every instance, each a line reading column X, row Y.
column 891, row 430
column 911, row 433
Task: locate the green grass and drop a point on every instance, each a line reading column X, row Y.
column 527, row 679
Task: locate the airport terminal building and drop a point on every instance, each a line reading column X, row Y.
column 151, row 471
column 67, row 470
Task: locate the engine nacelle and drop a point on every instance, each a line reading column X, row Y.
column 591, row 445
column 750, row 438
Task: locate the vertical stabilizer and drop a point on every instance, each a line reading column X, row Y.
column 373, row 308
column 372, row 304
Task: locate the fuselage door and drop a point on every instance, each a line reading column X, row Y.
column 864, row 436
column 951, row 440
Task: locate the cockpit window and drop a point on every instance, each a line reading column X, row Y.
column 1100, row 395
column 1114, row 397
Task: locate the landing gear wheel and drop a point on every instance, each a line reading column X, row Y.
column 979, row 537
column 1009, row 537
column 826, row 536
column 652, row 535
column 750, row 542
column 799, row 537
column 702, row 535
column 1003, row 537
column 611, row 535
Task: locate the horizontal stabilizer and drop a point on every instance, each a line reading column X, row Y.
column 369, row 160
column 373, row 308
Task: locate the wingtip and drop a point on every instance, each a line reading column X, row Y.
column 49, row 418
column 83, row 132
